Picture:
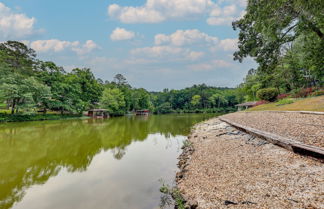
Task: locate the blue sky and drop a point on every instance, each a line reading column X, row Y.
column 155, row 44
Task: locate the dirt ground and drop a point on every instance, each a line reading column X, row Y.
column 307, row 128
column 226, row 168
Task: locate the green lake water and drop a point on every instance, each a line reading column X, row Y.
column 90, row 164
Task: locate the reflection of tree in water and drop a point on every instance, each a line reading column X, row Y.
column 118, row 153
column 30, row 153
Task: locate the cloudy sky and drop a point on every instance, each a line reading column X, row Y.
column 155, row 44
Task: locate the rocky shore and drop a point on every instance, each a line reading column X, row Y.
column 222, row 167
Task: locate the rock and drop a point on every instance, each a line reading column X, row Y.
column 248, row 203
column 179, row 175
column 227, row 202
column 192, row 204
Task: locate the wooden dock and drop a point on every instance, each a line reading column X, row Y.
column 287, row 143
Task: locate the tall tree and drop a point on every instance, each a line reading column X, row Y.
column 268, row 26
column 18, row 57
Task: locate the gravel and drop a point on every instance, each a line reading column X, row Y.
column 307, row 128
column 226, row 168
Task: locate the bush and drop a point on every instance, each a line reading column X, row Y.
column 282, row 96
column 164, row 108
column 302, row 92
column 268, row 94
column 260, row 103
column 33, row 117
column 318, row 93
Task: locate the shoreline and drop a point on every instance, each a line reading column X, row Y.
column 227, row 167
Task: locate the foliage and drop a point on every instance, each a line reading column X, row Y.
column 318, row 93
column 113, row 100
column 33, row 117
column 20, row 92
column 286, row 39
column 31, row 85
column 282, row 96
column 18, row 57
column 268, row 94
column 174, row 193
column 164, row 108
column 195, row 100
column 186, row 143
column 260, row 103
column 300, row 93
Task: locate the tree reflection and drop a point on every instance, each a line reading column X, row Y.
column 31, row 153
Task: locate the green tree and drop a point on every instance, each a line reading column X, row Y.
column 113, row 100
column 18, row 57
column 90, row 89
column 195, row 100
column 218, row 100
column 22, row 93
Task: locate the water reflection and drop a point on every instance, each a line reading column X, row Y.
column 31, row 153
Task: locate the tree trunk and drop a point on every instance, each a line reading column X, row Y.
column 13, row 106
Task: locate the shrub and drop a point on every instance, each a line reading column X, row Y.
column 302, row 92
column 282, row 96
column 268, row 94
column 260, row 103
column 318, row 93
column 33, row 117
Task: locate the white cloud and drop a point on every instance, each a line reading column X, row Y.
column 120, row 34
column 155, row 11
column 52, row 45
column 210, row 65
column 184, row 45
column 220, row 20
column 165, row 53
column 87, row 47
column 14, row 25
column 185, row 37
column 228, row 44
column 225, row 15
column 135, row 14
column 58, row 46
column 230, row 10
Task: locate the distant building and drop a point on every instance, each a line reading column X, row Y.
column 98, row 113
column 245, row 105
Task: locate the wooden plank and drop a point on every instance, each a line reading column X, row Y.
column 301, row 112
column 287, row 143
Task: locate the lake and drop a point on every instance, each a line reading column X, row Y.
column 91, row 163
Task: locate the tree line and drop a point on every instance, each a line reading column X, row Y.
column 286, row 39
column 29, row 85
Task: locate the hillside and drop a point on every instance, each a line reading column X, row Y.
column 306, row 104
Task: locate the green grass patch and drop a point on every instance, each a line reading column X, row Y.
column 285, row 101
column 303, row 104
column 34, row 117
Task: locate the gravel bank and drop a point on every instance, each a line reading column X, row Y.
column 307, row 128
column 226, row 168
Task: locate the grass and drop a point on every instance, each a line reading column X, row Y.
column 302, row 104
column 34, row 117
column 186, row 144
column 285, row 101
column 171, row 192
